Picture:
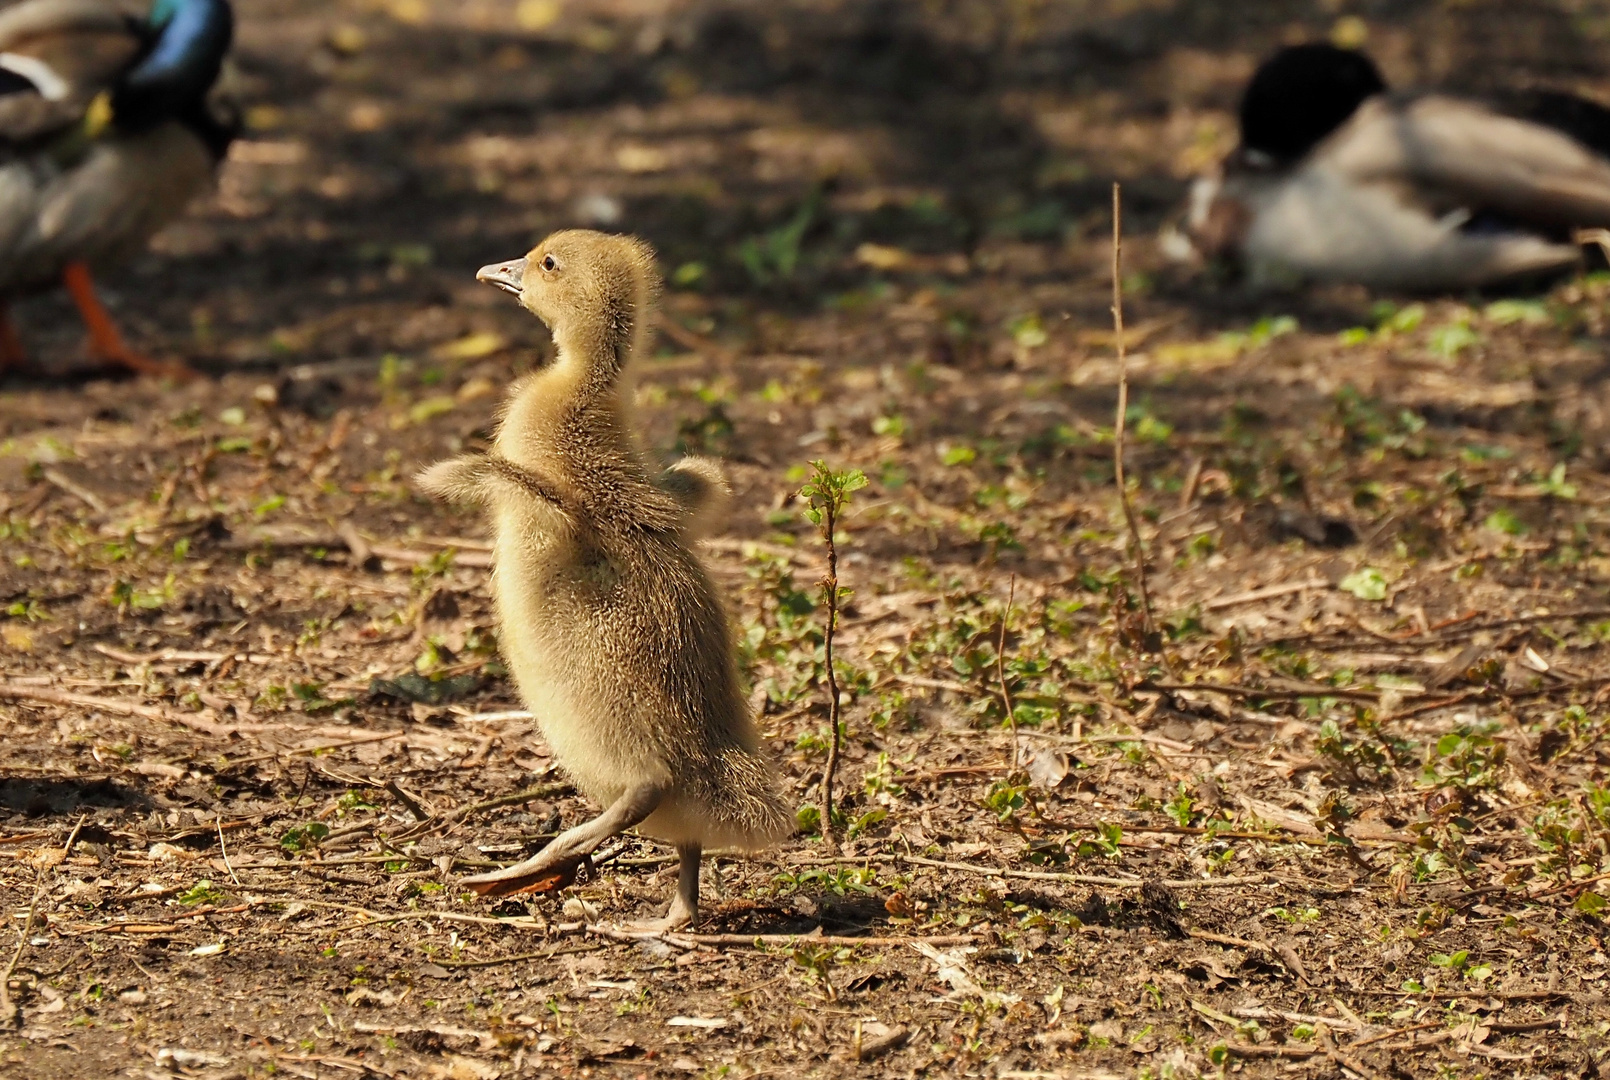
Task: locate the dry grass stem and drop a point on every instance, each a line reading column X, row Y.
column 10, row 1014
column 1000, row 675
column 1121, row 420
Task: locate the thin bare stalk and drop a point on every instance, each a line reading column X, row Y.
column 1000, row 674
column 10, row 1012
column 225, row 851
column 1121, row 422
column 830, row 584
column 72, row 837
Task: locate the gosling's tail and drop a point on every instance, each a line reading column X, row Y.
column 745, row 808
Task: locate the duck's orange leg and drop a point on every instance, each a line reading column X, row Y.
column 12, row 355
column 104, row 339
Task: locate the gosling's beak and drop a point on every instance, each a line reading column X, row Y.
column 508, row 276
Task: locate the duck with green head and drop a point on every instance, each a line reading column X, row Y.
column 106, row 134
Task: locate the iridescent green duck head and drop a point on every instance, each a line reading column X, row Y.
column 187, row 42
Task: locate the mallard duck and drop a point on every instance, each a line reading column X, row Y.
column 1338, row 179
column 105, row 136
column 614, row 633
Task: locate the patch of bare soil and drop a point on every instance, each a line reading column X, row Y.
column 1345, row 812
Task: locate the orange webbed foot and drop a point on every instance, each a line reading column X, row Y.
column 13, row 357
column 535, row 875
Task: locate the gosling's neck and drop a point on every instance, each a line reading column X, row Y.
column 573, row 416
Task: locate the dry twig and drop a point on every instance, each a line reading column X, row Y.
column 409, row 801
column 10, row 1012
column 761, row 941
column 13, row 692
column 1000, row 674
column 541, row 791
column 1121, row 420
column 1078, row 879
column 224, row 851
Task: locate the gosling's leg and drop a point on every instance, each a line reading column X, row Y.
column 105, row 341
column 567, row 849
column 684, row 909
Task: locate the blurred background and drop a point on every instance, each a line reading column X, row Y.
column 778, row 154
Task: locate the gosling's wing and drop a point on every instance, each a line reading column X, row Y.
column 464, row 479
column 700, row 490
column 484, row 478
column 1460, row 153
column 56, row 56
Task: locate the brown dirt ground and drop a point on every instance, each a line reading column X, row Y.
column 1367, row 852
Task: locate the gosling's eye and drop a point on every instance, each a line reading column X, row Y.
column 548, row 264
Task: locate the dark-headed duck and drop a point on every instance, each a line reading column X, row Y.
column 1338, row 179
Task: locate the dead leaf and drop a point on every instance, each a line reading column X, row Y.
column 951, row 969
column 45, row 858
column 175, row 1058
column 1048, row 767
column 362, row 995
column 157, row 768
column 457, row 1067
column 882, row 257
column 900, row 906
column 470, row 347
column 164, row 852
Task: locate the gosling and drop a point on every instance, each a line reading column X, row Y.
column 613, row 631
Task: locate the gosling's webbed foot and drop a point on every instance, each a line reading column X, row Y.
column 555, row 866
column 678, row 918
column 539, row 874
column 684, row 909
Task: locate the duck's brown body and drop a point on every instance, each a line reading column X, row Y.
column 613, row 631
column 99, row 211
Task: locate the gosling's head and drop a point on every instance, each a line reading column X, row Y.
column 594, row 290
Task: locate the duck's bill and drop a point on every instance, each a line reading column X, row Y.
column 508, row 276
